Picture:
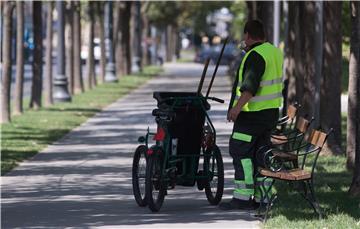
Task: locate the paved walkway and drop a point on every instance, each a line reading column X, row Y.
column 84, row 179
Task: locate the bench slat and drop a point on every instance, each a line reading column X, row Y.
column 285, row 156
column 294, row 174
column 278, row 139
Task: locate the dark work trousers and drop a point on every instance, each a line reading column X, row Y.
column 251, row 131
column 241, row 150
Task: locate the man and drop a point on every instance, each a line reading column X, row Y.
column 254, row 109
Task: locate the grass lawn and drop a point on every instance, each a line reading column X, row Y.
column 331, row 185
column 332, row 181
column 32, row 131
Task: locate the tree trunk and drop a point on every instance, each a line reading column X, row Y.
column 157, row 43
column 117, row 39
column 177, row 43
column 90, row 59
column 122, row 44
column 101, row 15
column 174, row 33
column 353, row 90
column 292, row 53
column 48, row 57
column 262, row 10
column 330, row 113
column 126, row 44
column 69, row 41
column 306, row 64
column 145, row 35
column 36, row 88
column 78, row 80
column 19, row 84
column 265, row 14
column 6, row 68
column 297, row 66
column 251, row 10
column 168, row 36
column 2, row 30
column 353, row 137
column 135, row 34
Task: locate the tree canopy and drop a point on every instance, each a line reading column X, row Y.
column 183, row 14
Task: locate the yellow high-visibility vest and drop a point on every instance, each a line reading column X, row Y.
column 269, row 94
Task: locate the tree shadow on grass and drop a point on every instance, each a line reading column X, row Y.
column 71, row 109
column 46, row 136
column 25, row 137
column 331, row 192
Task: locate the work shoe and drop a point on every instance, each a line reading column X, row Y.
column 236, row 204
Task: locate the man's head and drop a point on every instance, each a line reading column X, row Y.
column 254, row 32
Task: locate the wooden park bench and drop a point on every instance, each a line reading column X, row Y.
column 291, row 135
column 291, row 140
column 303, row 175
column 288, row 120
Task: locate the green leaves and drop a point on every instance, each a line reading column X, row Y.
column 183, row 13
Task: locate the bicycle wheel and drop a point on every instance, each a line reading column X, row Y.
column 154, row 184
column 214, row 167
column 138, row 175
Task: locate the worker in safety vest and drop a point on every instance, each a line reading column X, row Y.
column 254, row 109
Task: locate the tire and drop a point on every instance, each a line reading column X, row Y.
column 154, row 185
column 214, row 187
column 139, row 175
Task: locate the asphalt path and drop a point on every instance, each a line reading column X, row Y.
column 84, row 179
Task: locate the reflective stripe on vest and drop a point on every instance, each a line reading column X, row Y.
column 266, row 97
column 271, row 82
column 269, row 94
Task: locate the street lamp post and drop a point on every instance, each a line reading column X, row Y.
column 136, row 31
column 110, row 67
column 61, row 93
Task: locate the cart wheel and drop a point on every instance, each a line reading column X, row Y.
column 138, row 175
column 213, row 165
column 155, row 186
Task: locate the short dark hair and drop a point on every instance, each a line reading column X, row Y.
column 255, row 29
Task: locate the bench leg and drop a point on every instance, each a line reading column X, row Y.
column 265, row 192
column 315, row 204
column 309, row 195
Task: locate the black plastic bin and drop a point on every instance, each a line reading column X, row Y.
column 187, row 126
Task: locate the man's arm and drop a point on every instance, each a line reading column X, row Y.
column 235, row 111
column 254, row 69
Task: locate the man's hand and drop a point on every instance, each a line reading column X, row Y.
column 233, row 113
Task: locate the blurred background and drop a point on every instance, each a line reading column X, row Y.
column 57, row 49
column 63, row 48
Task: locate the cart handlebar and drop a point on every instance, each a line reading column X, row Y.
column 216, row 99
